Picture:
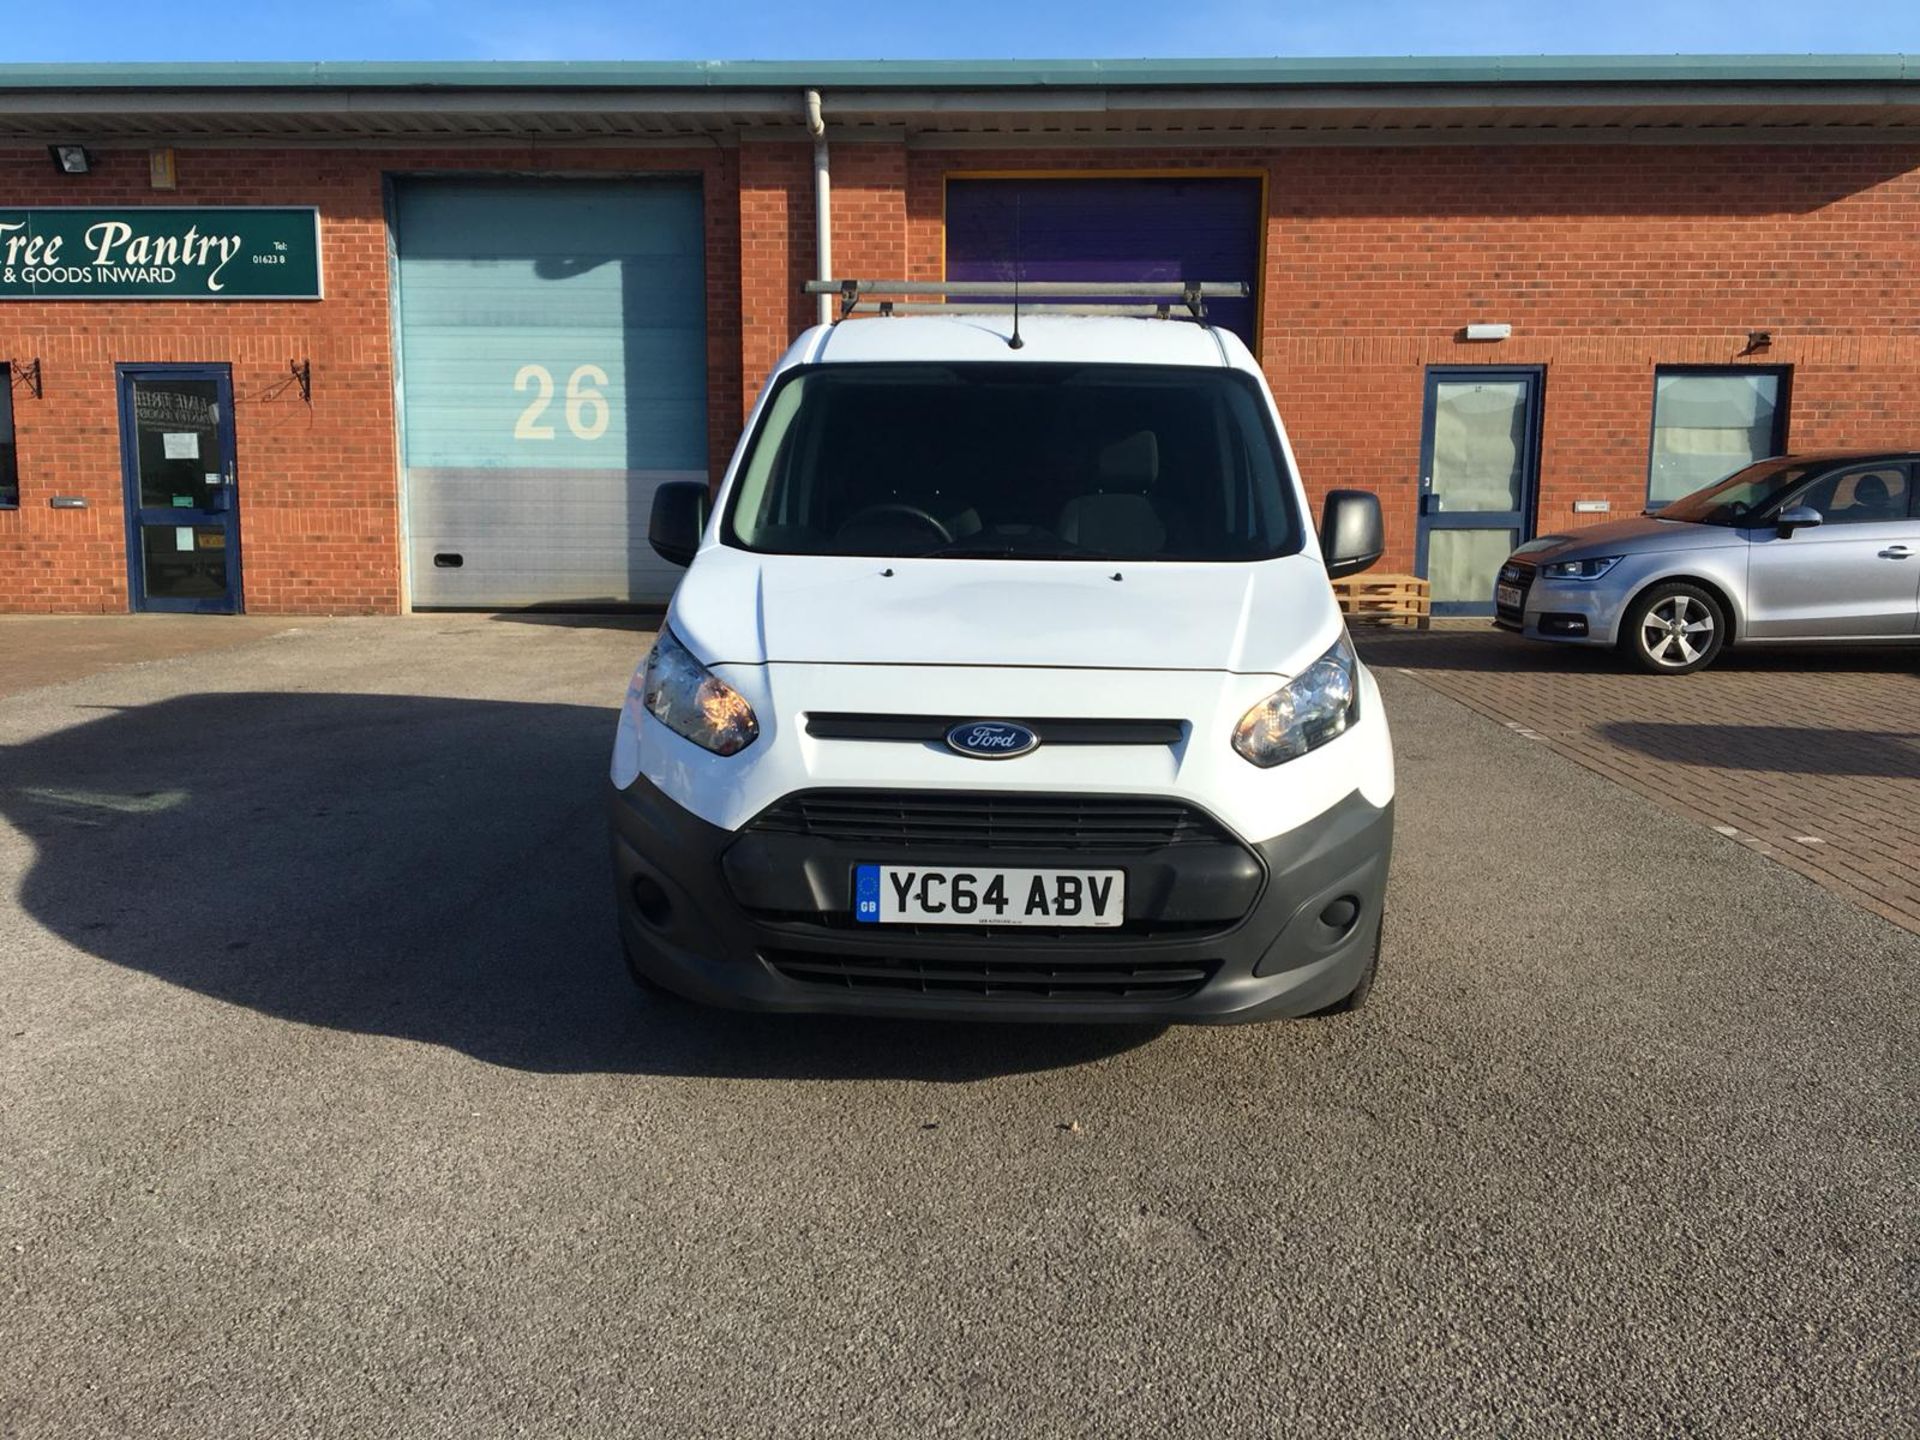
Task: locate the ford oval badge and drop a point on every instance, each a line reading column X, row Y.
column 992, row 739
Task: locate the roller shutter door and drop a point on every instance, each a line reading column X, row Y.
column 1206, row 228
column 552, row 375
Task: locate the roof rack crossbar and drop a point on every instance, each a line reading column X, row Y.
column 1164, row 309
column 1147, row 297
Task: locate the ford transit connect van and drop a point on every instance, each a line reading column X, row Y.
column 1008, row 683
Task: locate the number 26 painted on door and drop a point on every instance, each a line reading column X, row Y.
column 586, row 405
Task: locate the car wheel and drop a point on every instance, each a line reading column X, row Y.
column 1357, row 997
column 1674, row 629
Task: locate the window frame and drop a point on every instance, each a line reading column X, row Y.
column 9, row 442
column 1782, row 414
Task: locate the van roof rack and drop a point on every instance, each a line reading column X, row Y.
column 1161, row 298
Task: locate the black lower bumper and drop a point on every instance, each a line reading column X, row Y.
column 1213, row 933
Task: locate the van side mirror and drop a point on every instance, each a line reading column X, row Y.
column 679, row 519
column 1352, row 533
column 1797, row 517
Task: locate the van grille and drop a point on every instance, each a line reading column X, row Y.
column 976, row 820
column 995, row 979
column 932, row 729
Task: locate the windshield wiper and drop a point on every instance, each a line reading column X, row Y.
column 991, row 552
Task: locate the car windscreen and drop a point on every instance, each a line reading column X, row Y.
column 1742, row 498
column 1021, row 461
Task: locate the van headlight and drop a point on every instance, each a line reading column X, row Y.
column 1581, row 569
column 1317, row 705
column 692, row 701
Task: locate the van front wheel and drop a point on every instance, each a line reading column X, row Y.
column 1674, row 629
column 1357, row 997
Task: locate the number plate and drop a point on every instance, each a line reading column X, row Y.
column 952, row 895
column 1508, row 595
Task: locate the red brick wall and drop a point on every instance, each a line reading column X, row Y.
column 1607, row 261
column 776, row 258
column 318, row 483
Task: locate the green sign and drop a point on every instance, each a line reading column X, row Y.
column 160, row 253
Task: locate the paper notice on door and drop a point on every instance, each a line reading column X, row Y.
column 183, row 537
column 214, row 477
column 181, row 444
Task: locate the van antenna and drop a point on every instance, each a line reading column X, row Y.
column 1015, row 342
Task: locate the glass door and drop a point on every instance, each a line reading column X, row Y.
column 183, row 516
column 1479, row 471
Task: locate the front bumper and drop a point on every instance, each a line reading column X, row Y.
column 1568, row 612
column 1215, row 933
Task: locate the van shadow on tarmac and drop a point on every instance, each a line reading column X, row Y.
column 434, row 869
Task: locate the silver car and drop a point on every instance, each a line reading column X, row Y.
column 1794, row 550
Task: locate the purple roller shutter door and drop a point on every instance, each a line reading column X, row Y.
column 1158, row 229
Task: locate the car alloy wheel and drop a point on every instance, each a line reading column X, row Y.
column 1675, row 629
column 1678, row 631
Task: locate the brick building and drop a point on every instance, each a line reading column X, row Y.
column 364, row 337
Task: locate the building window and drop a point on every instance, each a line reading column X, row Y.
column 9, row 468
column 1711, row 421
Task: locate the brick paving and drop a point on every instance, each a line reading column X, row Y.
column 1814, row 760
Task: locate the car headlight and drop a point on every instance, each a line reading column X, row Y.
column 1580, row 569
column 1317, row 705
column 690, row 700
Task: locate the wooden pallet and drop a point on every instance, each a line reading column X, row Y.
column 1385, row 600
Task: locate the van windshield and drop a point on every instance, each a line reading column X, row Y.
column 1015, row 461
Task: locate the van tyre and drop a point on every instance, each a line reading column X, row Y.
column 1355, row 998
column 642, row 981
column 1674, row 629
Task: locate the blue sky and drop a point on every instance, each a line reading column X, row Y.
column 858, row 29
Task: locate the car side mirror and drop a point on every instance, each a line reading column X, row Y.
column 1353, row 535
column 1797, row 517
column 679, row 519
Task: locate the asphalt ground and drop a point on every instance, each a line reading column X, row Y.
column 326, row 1109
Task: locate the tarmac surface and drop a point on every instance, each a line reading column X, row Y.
column 327, row 1109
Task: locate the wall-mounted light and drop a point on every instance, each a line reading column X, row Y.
column 71, row 159
column 1757, row 340
column 1487, row 331
column 161, row 174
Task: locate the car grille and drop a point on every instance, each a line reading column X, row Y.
column 995, row 979
column 1518, row 573
column 977, row 820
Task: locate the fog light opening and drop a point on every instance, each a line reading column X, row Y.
column 1340, row 916
column 1563, row 624
column 650, row 899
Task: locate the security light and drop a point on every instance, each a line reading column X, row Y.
column 71, row 159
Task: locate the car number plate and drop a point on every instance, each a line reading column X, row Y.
column 1508, row 595
column 981, row 895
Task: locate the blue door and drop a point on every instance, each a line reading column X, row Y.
column 1479, row 475
column 1112, row 229
column 183, row 510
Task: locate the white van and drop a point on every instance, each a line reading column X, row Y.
column 1007, row 683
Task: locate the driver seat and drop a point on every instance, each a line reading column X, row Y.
column 1118, row 518
column 1872, row 498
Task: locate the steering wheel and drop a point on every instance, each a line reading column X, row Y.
column 896, row 509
